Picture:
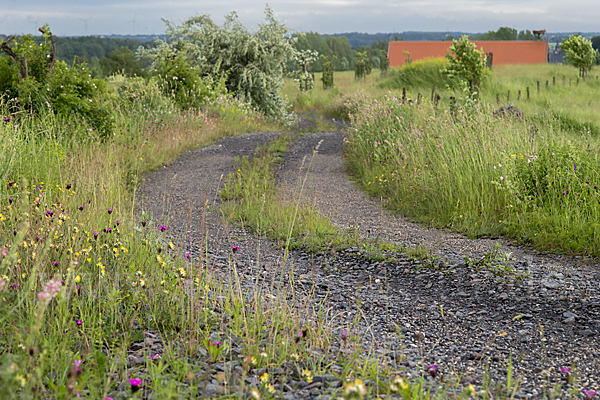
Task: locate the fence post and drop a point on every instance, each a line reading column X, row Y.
column 527, row 92
column 519, row 95
column 564, row 80
column 508, row 97
column 432, row 92
column 538, row 86
column 553, row 80
column 403, row 94
column 497, row 98
column 547, row 85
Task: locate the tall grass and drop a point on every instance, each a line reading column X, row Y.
column 479, row 174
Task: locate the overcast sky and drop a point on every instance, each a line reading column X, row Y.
column 99, row 17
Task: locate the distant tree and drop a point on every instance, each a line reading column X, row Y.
column 595, row 42
column 121, row 60
column 579, row 51
column 466, row 64
column 526, row 35
column 503, row 33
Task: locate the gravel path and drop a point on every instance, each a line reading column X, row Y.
column 463, row 318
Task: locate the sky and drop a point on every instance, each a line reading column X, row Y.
column 126, row 17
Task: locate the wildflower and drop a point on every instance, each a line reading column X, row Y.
column 264, row 378
column 398, row 385
column 110, row 210
column 51, row 290
column 49, row 213
column 55, row 263
column 79, row 322
column 155, row 356
column 96, row 235
column 432, row 369
column 355, row 390
column 307, row 375
column 255, row 394
column 7, row 119
column 81, row 207
column 234, row 249
column 163, row 228
column 344, row 335
column 68, row 186
column 187, row 256
column 589, row 394
column 270, row 388
column 567, row 373
column 135, row 384
column 10, row 200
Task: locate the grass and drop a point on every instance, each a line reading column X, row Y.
column 532, row 179
column 88, row 286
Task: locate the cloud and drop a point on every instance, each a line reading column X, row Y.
column 325, row 16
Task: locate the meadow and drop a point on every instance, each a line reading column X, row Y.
column 459, row 166
column 85, row 273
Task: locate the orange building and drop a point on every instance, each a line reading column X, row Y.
column 504, row 52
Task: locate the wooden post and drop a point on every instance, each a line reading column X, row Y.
column 519, row 95
column 564, row 80
column 553, row 81
column 508, row 97
column 538, row 85
column 497, row 99
column 547, row 87
column 527, row 92
column 432, row 93
column 403, row 94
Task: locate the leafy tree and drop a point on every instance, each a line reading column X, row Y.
column 579, row 51
column 595, row 42
column 121, row 60
column 303, row 76
column 466, row 64
column 503, row 33
column 526, row 35
column 253, row 64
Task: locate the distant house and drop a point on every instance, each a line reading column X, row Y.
column 504, row 52
column 556, row 56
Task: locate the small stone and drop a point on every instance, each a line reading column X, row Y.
column 550, row 284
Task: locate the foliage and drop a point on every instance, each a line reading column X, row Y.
column 328, row 69
column 526, row 35
column 304, row 79
column 253, row 64
column 65, row 91
column 384, row 64
column 419, row 74
column 121, row 60
column 503, row 33
column 178, row 80
column 362, row 66
column 579, row 52
column 466, row 63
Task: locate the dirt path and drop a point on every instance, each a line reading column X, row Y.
column 459, row 317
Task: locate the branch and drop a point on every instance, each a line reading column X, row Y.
column 52, row 49
column 23, row 70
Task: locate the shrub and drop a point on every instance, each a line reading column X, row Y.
column 421, row 73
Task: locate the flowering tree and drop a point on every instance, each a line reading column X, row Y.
column 303, row 77
column 252, row 64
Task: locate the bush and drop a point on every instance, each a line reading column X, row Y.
column 422, row 73
column 53, row 87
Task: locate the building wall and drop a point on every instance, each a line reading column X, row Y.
column 505, row 52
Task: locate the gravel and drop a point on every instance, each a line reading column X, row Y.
column 542, row 310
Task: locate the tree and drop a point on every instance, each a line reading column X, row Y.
column 253, row 64
column 579, row 51
column 503, row 33
column 121, row 60
column 465, row 64
column 526, row 35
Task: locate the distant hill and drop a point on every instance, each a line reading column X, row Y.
column 358, row 39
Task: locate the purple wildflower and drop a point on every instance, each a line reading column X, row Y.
column 235, row 249
column 163, row 228
column 135, row 384
column 432, row 369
